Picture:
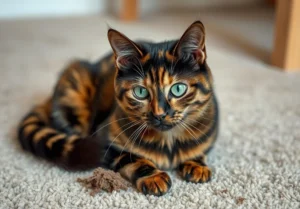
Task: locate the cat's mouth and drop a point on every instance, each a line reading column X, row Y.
column 164, row 124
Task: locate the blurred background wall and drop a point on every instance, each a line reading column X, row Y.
column 49, row 8
column 55, row 8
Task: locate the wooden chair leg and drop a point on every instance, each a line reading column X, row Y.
column 129, row 10
column 286, row 52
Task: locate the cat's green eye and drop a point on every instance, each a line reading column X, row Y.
column 178, row 89
column 140, row 92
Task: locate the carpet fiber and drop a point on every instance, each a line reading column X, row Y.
column 256, row 160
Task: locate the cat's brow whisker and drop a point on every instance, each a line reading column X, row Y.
column 172, row 68
column 141, row 67
column 138, row 70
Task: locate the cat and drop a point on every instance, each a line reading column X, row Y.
column 141, row 110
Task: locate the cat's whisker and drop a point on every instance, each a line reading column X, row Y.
column 143, row 135
column 202, row 124
column 184, row 128
column 108, row 125
column 137, row 135
column 202, row 117
column 142, row 128
column 135, row 123
column 196, row 128
column 133, row 134
column 187, row 128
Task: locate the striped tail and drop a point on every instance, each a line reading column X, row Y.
column 70, row 151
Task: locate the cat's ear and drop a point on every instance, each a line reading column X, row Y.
column 192, row 43
column 125, row 50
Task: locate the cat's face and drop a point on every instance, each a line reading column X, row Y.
column 164, row 84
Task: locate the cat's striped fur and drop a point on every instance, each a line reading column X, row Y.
column 94, row 119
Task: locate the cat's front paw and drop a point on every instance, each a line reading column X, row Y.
column 157, row 184
column 194, row 172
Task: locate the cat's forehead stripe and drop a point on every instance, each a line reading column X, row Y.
column 160, row 53
column 160, row 75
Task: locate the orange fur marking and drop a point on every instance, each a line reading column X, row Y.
column 157, row 184
column 194, row 172
column 54, row 139
column 157, row 110
column 170, row 57
column 145, row 58
column 68, row 147
column 31, row 119
column 39, row 135
column 28, row 129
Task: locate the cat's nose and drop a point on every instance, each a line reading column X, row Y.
column 160, row 117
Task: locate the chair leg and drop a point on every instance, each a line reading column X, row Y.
column 129, row 10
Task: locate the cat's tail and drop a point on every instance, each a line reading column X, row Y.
column 68, row 150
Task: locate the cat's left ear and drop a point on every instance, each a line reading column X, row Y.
column 192, row 43
column 125, row 50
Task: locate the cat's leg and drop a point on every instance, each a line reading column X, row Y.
column 142, row 173
column 195, row 170
column 72, row 100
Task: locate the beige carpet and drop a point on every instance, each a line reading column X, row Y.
column 256, row 160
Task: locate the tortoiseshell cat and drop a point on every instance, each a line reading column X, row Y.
column 145, row 108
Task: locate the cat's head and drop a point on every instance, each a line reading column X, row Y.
column 162, row 84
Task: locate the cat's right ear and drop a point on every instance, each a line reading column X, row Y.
column 125, row 50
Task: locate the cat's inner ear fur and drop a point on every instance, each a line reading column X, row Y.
column 192, row 43
column 125, row 50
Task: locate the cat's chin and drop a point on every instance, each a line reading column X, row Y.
column 163, row 127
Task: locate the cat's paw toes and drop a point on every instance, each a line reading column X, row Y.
column 157, row 184
column 195, row 173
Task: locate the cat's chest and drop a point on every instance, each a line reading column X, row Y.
column 167, row 151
